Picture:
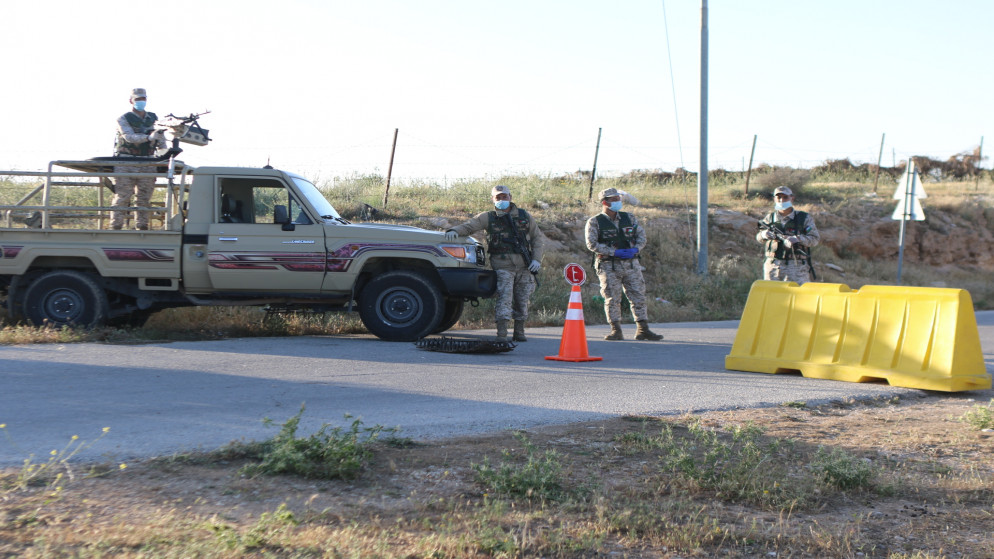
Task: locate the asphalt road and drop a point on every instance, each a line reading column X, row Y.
column 160, row 399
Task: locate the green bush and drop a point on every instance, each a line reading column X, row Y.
column 840, row 469
column 980, row 416
column 794, row 179
column 539, row 478
column 331, row 453
column 737, row 464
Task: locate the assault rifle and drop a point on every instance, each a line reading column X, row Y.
column 780, row 236
column 519, row 244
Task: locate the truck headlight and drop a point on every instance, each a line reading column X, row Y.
column 461, row 252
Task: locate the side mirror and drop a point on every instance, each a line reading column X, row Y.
column 281, row 216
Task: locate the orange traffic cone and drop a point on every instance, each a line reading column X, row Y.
column 573, row 346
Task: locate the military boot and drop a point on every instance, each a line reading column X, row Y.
column 519, row 331
column 615, row 332
column 643, row 332
column 502, row 330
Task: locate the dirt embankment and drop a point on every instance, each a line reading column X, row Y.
column 948, row 237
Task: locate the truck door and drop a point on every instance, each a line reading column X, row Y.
column 248, row 251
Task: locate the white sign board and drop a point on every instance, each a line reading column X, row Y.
column 909, row 188
column 916, row 213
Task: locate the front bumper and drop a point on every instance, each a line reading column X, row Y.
column 463, row 282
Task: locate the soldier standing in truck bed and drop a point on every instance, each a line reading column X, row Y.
column 511, row 234
column 136, row 137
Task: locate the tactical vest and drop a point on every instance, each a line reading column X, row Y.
column 625, row 235
column 500, row 236
column 140, row 126
column 795, row 226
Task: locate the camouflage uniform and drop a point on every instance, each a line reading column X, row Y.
column 132, row 140
column 789, row 264
column 618, row 275
column 515, row 283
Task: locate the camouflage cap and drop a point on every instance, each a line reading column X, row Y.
column 138, row 92
column 500, row 189
column 607, row 193
column 783, row 190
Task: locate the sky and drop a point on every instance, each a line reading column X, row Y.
column 480, row 89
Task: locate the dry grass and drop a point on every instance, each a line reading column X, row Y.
column 931, row 495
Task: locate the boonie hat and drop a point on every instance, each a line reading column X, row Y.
column 783, row 190
column 138, row 92
column 607, row 193
column 500, row 189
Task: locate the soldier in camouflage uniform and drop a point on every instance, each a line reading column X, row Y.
column 515, row 275
column 136, row 137
column 788, row 258
column 615, row 238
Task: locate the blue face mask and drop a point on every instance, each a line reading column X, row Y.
column 502, row 204
column 615, row 206
column 780, row 206
column 140, row 105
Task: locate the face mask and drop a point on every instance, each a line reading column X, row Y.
column 783, row 205
column 615, row 206
column 140, row 105
column 502, row 204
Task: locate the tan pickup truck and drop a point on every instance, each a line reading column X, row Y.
column 223, row 236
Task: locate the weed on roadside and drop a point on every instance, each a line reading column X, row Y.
column 53, row 472
column 980, row 417
column 540, row 477
column 330, row 453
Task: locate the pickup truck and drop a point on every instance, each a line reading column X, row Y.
column 223, row 236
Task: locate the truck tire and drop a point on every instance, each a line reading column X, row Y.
column 65, row 297
column 401, row 306
column 453, row 311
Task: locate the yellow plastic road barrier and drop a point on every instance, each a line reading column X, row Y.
column 914, row 337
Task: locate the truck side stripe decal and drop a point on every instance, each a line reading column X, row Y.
column 340, row 260
column 291, row 261
column 10, row 251
column 335, row 261
column 140, row 254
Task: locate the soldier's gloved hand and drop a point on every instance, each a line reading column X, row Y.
column 534, row 266
column 624, row 253
column 769, row 235
column 789, row 242
column 451, row 235
column 157, row 136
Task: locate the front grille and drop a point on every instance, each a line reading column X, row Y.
column 481, row 256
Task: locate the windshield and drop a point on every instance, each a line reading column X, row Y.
column 313, row 195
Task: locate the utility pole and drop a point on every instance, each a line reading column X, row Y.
column 393, row 150
column 980, row 161
column 593, row 172
column 702, row 173
column 751, row 154
column 879, row 158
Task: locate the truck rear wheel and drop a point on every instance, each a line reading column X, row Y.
column 401, row 306
column 65, row 297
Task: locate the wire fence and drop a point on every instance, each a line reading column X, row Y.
column 421, row 160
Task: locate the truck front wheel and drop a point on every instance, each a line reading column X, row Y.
column 65, row 297
column 401, row 306
column 453, row 311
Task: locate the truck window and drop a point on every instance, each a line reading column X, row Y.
column 253, row 200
